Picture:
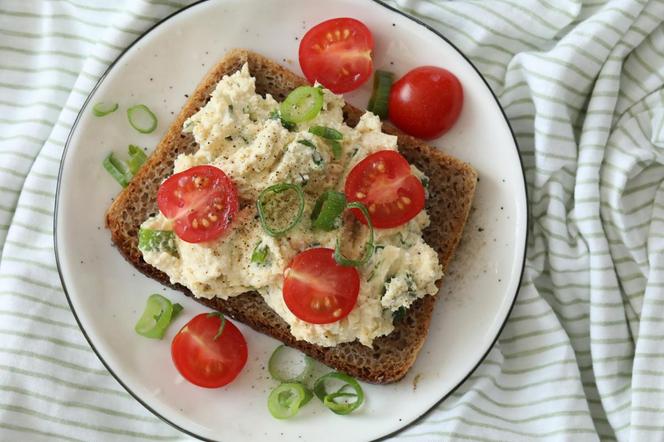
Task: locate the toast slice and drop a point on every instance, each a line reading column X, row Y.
column 451, row 190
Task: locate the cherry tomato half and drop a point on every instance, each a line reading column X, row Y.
column 426, row 102
column 201, row 201
column 337, row 54
column 206, row 357
column 319, row 290
column 383, row 182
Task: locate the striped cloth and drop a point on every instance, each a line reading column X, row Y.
column 582, row 355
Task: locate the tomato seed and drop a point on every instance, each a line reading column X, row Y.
column 380, row 166
column 213, row 217
column 360, row 195
column 336, row 313
column 194, row 223
column 405, row 200
column 205, row 222
column 372, row 208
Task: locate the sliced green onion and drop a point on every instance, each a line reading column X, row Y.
column 336, row 149
column 378, row 103
column 307, row 143
column 331, row 135
column 158, row 314
column 326, row 132
column 102, row 109
column 117, row 169
column 302, row 104
column 142, row 118
column 177, row 308
column 276, row 115
column 368, row 249
column 259, row 255
column 329, row 399
column 136, row 158
column 276, row 365
column 329, row 206
column 150, row 240
column 315, row 156
column 286, row 400
column 276, row 189
column 399, row 314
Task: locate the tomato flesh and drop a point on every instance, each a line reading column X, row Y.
column 205, row 359
column 200, row 201
column 317, row 289
column 337, row 54
column 383, row 182
column 426, row 102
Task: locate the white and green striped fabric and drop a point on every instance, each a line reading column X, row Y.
column 582, row 356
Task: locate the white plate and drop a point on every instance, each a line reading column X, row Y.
column 107, row 294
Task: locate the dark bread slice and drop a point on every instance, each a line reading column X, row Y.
column 451, row 190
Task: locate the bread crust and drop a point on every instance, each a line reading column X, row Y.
column 451, row 190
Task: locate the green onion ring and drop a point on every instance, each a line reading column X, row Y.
column 378, row 103
column 150, row 240
column 137, row 116
column 102, row 109
column 327, row 209
column 328, row 399
column 286, row 400
column 136, row 158
column 326, row 132
column 302, row 104
column 158, row 314
column 260, row 253
column 368, row 249
column 278, row 188
column 117, row 169
column 273, row 367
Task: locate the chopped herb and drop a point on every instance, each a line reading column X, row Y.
column 307, row 143
column 336, row 149
column 317, row 159
column 315, row 156
column 259, row 255
column 410, row 282
column 425, row 182
column 399, row 314
column 331, row 135
column 275, row 115
column 326, row 132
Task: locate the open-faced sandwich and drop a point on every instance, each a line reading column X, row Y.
column 276, row 203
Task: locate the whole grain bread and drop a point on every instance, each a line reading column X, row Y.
column 451, row 190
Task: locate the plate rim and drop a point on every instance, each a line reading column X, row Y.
column 57, row 204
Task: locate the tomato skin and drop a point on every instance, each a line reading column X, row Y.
column 317, row 289
column 337, row 54
column 205, row 361
column 426, row 102
column 383, row 182
column 201, row 202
